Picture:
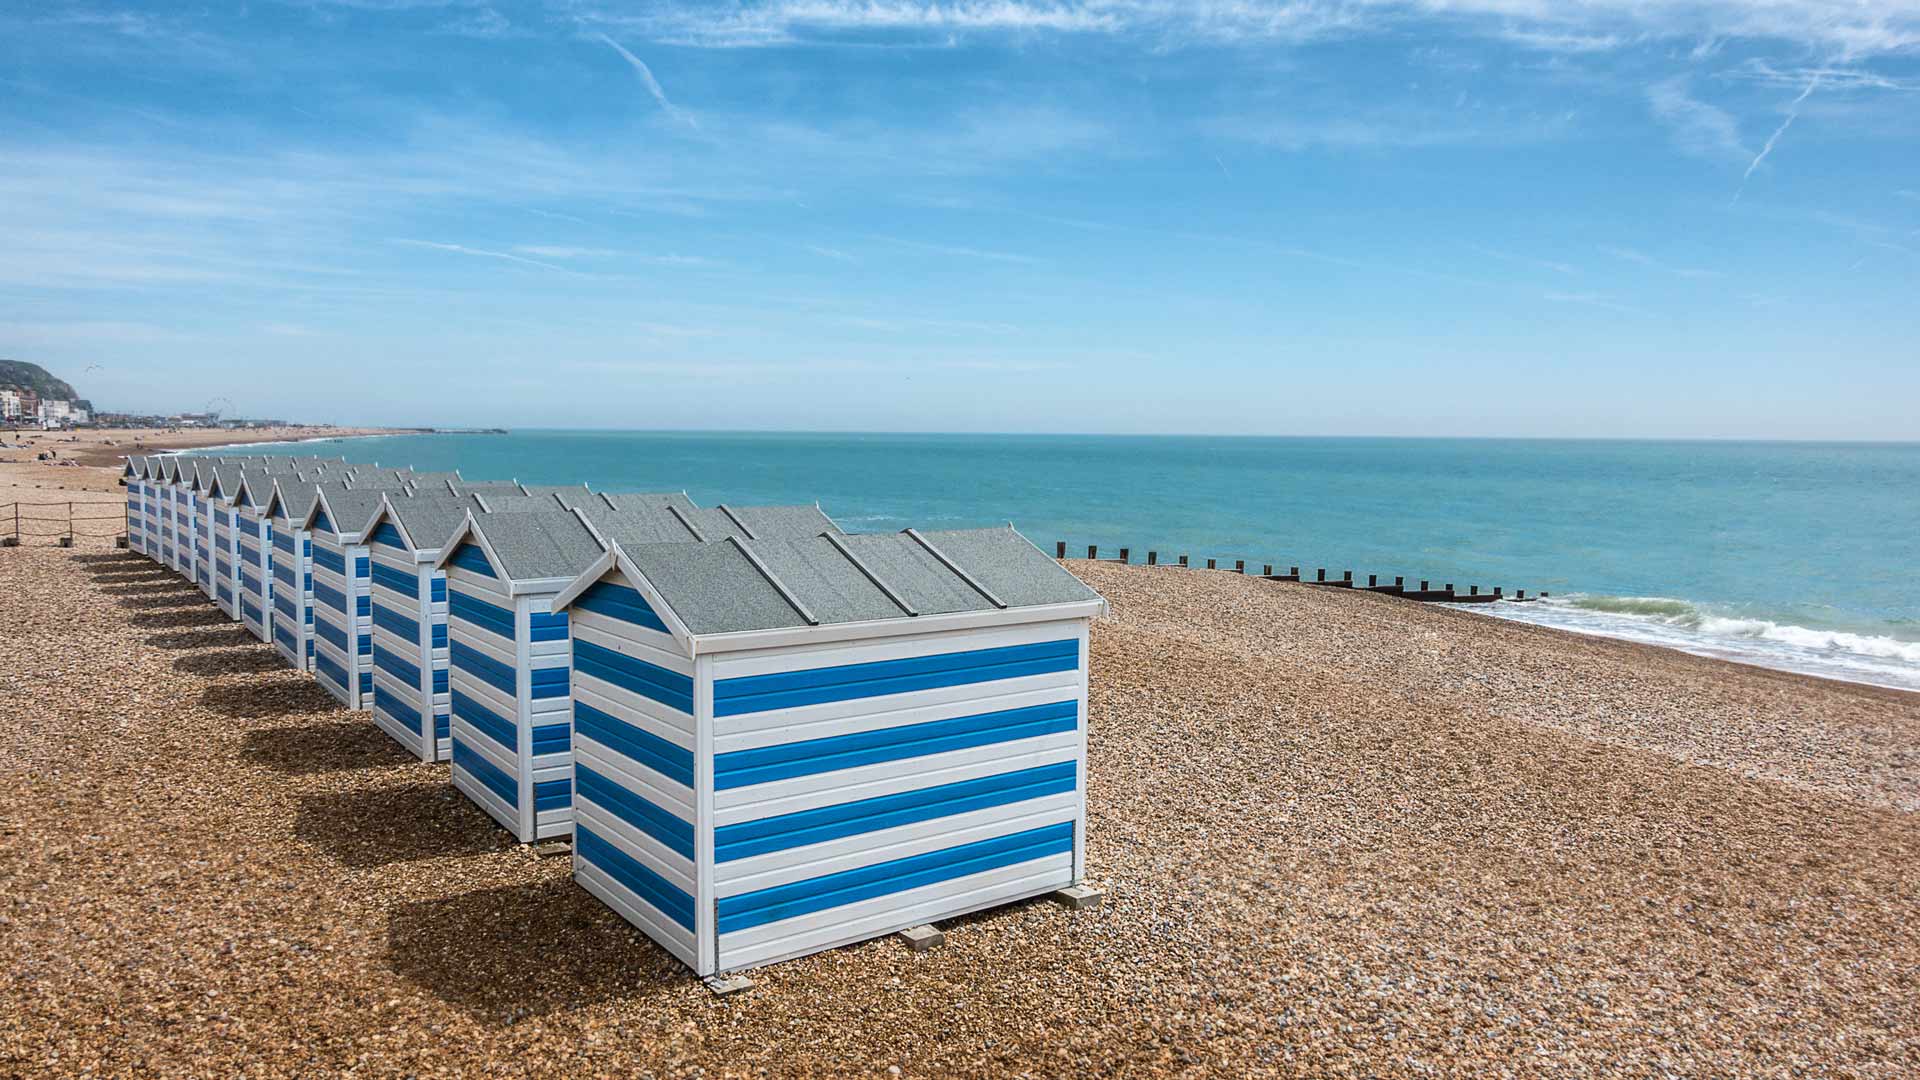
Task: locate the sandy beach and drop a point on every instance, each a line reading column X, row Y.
column 1339, row 834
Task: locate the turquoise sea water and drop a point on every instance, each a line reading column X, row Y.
column 1793, row 555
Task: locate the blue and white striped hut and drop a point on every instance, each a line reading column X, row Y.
column 508, row 661
column 135, row 476
column 173, row 521
column 286, row 510
column 254, row 528
column 342, row 586
column 509, row 650
column 785, row 746
column 196, row 510
column 410, row 686
column 221, row 496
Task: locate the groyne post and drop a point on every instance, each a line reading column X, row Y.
column 1153, row 558
column 1059, row 549
column 1210, row 565
column 1239, row 566
column 1123, row 557
column 1183, row 562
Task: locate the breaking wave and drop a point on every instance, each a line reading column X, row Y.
column 1658, row 620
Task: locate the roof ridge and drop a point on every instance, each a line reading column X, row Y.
column 806, row 615
column 948, row 562
column 861, row 565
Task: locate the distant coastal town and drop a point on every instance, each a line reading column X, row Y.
column 33, row 397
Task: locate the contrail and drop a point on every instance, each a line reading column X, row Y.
column 646, row 79
column 1793, row 113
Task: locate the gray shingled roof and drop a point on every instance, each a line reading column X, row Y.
column 671, row 519
column 717, row 588
column 351, row 509
column 497, row 503
column 293, row 498
column 539, row 544
column 567, row 495
column 488, row 487
column 430, row 520
column 640, row 500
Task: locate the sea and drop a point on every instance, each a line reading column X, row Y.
column 1798, row 556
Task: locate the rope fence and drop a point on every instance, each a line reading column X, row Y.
column 62, row 522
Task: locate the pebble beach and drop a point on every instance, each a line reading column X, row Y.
column 1338, row 834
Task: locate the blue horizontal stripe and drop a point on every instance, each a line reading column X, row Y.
column 552, row 795
column 637, row 744
column 763, row 906
column 396, row 665
column 329, row 597
column 366, row 645
column 396, row 708
column 486, row 721
column 622, row 603
column 807, row 757
column 673, row 831
column 363, row 605
column 635, row 877
column 443, row 726
column 226, row 591
column 332, row 634
column 466, row 658
column 634, row 674
column 492, row 618
column 846, row 682
column 400, row 581
column 366, row 682
column 547, row 627
column 386, row 535
column 473, row 560
column 251, row 555
column 284, row 570
column 549, row 682
column 439, row 587
column 249, row 609
column 439, row 680
column 283, row 540
column 361, row 566
column 395, row 623
column 818, row 825
column 439, row 632
column 324, row 666
column 329, row 559
column 283, row 634
column 473, row 764
column 552, row 739
column 285, row 604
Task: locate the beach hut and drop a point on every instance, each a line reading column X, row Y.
column 410, row 684
column 342, row 584
column 220, row 495
column 782, row 746
column 166, row 478
column 254, row 529
column 508, row 661
column 135, row 475
column 197, row 535
column 292, row 568
column 509, row 649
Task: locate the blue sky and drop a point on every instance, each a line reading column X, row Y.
column 1612, row 218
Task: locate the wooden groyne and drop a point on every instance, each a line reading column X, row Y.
column 1426, row 593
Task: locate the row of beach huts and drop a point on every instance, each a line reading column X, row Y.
column 765, row 736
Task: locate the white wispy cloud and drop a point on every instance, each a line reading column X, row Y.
column 830, row 253
column 959, row 251
column 1793, row 113
column 483, row 253
column 1641, row 258
column 1525, row 260
column 1592, row 299
column 1842, row 27
column 647, row 80
column 562, row 251
column 1697, row 127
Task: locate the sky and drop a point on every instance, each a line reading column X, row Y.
column 1610, row 218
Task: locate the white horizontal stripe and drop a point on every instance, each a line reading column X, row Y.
column 485, row 799
column 492, row 590
column 635, row 844
column 642, row 712
column 547, row 768
column 500, row 704
column 472, row 738
column 803, row 657
column 888, row 777
column 553, row 823
column 775, row 727
column 885, row 914
column 550, row 653
column 482, row 641
column 403, row 735
column 657, row 788
column 407, row 648
column 665, row 933
column 865, row 849
column 650, row 645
